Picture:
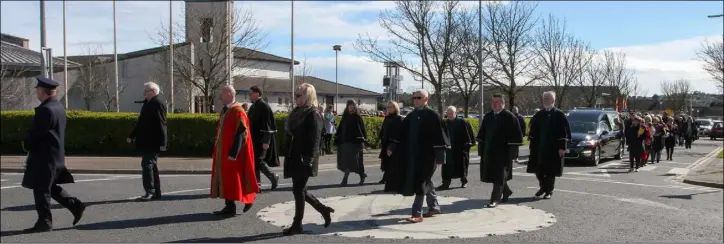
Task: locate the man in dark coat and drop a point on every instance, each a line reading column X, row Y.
column 549, row 136
column 151, row 138
column 263, row 130
column 521, row 123
column 457, row 158
column 498, row 136
column 45, row 163
column 420, row 149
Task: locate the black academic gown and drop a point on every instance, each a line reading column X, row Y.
column 549, row 132
column 498, row 136
column 389, row 132
column 263, row 130
column 45, row 144
column 422, row 141
column 458, row 156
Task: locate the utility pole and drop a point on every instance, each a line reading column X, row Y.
column 480, row 55
column 65, row 62
column 337, row 49
column 292, row 69
column 43, row 69
column 170, row 53
column 115, row 54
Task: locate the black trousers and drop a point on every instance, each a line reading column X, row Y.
column 302, row 196
column 42, row 203
column 326, row 142
column 635, row 159
column 262, row 168
column 499, row 188
column 669, row 152
column 546, row 182
column 447, row 181
column 151, row 179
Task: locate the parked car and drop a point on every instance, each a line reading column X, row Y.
column 717, row 130
column 593, row 136
column 704, row 126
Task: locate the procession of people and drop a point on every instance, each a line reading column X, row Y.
column 412, row 149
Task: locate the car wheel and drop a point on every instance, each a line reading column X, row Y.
column 620, row 153
column 596, row 156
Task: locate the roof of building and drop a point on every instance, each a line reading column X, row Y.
column 275, row 85
column 14, row 55
column 239, row 52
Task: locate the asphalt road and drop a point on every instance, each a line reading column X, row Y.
column 590, row 204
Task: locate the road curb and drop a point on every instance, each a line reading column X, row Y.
column 704, row 183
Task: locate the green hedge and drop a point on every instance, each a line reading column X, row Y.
column 104, row 133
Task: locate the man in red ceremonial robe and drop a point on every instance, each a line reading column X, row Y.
column 232, row 174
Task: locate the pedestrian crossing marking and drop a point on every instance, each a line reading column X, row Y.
column 679, row 171
column 647, row 168
column 598, row 173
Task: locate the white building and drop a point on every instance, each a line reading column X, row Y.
column 92, row 84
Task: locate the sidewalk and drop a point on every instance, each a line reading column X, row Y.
column 132, row 165
column 709, row 174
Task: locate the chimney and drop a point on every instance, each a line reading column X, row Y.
column 18, row 41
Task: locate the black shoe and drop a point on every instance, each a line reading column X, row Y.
column 156, row 197
column 548, row 195
column 38, row 229
column 382, row 181
column 506, row 196
column 492, row 204
column 247, row 207
column 145, row 198
column 362, row 178
column 442, row 187
column 539, row 193
column 293, row 230
column 226, row 211
column 275, row 182
column 78, row 214
column 464, row 185
column 327, row 216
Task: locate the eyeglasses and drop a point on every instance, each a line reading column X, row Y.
column 417, row 98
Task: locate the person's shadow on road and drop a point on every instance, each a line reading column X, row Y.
column 242, row 239
column 88, row 204
column 147, row 222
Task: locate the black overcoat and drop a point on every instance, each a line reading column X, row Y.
column 458, row 156
column 388, row 132
column 45, row 144
column 350, row 141
column 263, row 130
column 497, row 137
column 419, row 151
column 545, row 141
column 150, row 132
column 303, row 136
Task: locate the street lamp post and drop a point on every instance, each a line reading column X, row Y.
column 337, row 49
column 480, row 62
column 43, row 69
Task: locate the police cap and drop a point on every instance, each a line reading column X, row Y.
column 46, row 83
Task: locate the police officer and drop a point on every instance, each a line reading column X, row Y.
column 45, row 144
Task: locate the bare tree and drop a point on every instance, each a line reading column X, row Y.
column 561, row 58
column 422, row 30
column 15, row 87
column 593, row 79
column 202, row 62
column 94, row 77
column 306, row 70
column 617, row 75
column 465, row 62
column 508, row 29
column 676, row 93
column 712, row 54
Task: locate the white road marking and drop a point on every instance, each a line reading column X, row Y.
column 519, row 167
column 647, row 168
column 87, row 180
column 604, row 172
column 3, row 180
column 628, row 183
column 597, row 173
column 639, row 201
column 204, row 189
column 678, row 171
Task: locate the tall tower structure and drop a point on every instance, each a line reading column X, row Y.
column 391, row 81
column 209, row 35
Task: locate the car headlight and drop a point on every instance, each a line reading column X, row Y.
column 586, row 143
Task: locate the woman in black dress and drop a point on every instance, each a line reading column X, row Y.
column 388, row 133
column 350, row 142
column 303, row 133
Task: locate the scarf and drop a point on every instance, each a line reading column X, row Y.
column 296, row 118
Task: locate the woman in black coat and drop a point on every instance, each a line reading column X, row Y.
column 388, row 133
column 350, row 141
column 303, row 133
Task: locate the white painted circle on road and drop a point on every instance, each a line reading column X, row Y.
column 384, row 216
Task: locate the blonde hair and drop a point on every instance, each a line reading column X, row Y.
column 307, row 90
column 451, row 109
column 395, row 106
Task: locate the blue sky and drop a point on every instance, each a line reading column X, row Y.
column 659, row 37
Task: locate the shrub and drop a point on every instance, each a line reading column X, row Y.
column 104, row 133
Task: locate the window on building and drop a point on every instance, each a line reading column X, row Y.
column 207, row 27
column 279, row 100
